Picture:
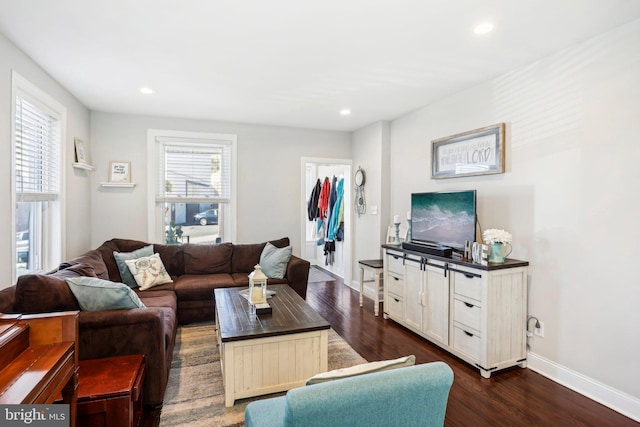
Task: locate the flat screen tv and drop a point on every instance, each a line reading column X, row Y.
column 444, row 218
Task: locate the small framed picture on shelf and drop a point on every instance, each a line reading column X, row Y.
column 82, row 152
column 120, row 172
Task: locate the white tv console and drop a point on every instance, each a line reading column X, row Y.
column 476, row 312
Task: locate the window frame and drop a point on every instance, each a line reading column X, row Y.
column 155, row 214
column 53, row 236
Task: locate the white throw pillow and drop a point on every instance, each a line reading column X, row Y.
column 364, row 368
column 148, row 271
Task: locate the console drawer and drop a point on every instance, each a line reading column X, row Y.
column 395, row 285
column 394, row 306
column 466, row 342
column 395, row 263
column 467, row 314
column 468, row 286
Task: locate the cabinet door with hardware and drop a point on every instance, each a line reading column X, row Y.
column 414, row 279
column 436, row 304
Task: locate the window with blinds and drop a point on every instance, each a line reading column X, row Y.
column 37, row 153
column 193, row 188
column 37, row 132
column 194, row 171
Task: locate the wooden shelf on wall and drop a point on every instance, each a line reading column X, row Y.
column 117, row 184
column 85, row 166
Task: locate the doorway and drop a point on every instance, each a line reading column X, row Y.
column 313, row 241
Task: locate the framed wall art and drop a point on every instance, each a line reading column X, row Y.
column 476, row 152
column 82, row 151
column 119, row 172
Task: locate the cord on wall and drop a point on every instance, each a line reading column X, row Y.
column 529, row 331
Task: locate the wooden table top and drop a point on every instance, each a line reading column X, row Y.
column 108, row 377
column 290, row 315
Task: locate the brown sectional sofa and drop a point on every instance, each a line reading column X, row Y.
column 196, row 271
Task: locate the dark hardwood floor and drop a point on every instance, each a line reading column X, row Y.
column 513, row 397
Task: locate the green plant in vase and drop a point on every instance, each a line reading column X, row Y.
column 174, row 233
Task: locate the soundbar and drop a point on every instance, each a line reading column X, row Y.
column 443, row 251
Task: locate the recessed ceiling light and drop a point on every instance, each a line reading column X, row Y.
column 345, row 112
column 484, row 28
column 147, row 90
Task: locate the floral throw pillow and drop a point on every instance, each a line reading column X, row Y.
column 148, row 271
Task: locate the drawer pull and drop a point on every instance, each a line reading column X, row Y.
column 396, row 300
column 395, row 278
column 469, row 334
column 468, row 305
column 469, row 276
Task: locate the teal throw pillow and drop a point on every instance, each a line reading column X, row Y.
column 274, row 260
column 121, row 257
column 95, row 294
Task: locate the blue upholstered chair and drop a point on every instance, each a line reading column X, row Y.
column 411, row 396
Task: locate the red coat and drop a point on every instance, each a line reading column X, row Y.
column 323, row 201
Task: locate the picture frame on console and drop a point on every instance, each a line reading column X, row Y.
column 476, row 152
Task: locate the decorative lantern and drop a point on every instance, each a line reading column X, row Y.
column 257, row 286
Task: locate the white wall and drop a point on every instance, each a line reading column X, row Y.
column 268, row 174
column 570, row 197
column 78, row 202
column 370, row 146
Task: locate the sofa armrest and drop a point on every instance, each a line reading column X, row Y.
column 123, row 332
column 7, row 299
column 298, row 275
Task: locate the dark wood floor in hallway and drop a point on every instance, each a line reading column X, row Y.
column 513, row 397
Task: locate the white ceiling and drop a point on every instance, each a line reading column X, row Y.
column 291, row 62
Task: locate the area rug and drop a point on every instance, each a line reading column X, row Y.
column 317, row 275
column 195, row 396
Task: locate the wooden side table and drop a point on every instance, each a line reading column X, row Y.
column 375, row 266
column 110, row 391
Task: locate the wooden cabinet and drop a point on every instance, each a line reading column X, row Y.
column 110, row 391
column 476, row 312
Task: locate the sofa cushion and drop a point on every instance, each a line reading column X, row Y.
column 92, row 258
column 200, row 286
column 125, row 273
column 172, row 257
column 274, row 260
column 148, row 271
column 364, row 368
column 246, row 256
column 207, row 258
column 94, row 294
column 40, row 293
column 242, row 279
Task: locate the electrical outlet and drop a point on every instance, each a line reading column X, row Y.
column 539, row 331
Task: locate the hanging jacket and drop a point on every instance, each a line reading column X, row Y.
column 332, row 199
column 323, row 200
column 312, row 204
column 334, row 221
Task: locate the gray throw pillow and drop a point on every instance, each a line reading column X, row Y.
column 274, row 260
column 95, row 294
column 121, row 257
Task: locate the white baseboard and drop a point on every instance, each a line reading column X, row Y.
column 617, row 400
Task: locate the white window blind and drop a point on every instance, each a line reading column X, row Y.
column 37, row 158
column 196, row 170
